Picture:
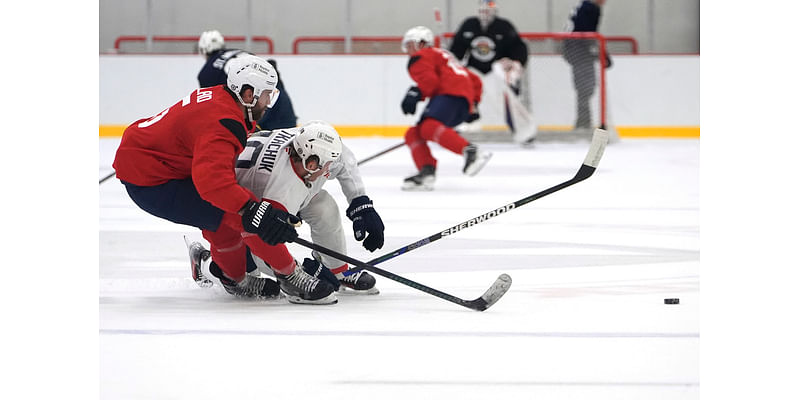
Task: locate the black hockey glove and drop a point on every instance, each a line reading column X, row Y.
column 317, row 270
column 474, row 115
column 366, row 221
column 409, row 104
column 269, row 223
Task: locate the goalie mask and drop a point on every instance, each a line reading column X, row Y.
column 210, row 41
column 247, row 70
column 419, row 35
column 487, row 10
column 317, row 141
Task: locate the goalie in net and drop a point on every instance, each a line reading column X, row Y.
column 491, row 46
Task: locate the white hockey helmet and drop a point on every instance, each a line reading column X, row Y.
column 320, row 139
column 210, row 41
column 487, row 10
column 253, row 71
column 418, row 35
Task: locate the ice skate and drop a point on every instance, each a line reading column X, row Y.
column 360, row 282
column 302, row 288
column 250, row 287
column 475, row 159
column 423, row 181
column 198, row 260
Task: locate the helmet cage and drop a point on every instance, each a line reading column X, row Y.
column 487, row 11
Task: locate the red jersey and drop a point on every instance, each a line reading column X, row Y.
column 200, row 137
column 437, row 72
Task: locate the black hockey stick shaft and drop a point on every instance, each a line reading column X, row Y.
column 108, row 177
column 599, row 141
column 491, row 296
column 395, row 147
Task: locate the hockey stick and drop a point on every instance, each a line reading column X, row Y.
column 599, row 141
column 437, row 16
column 491, row 296
column 397, row 146
column 108, row 177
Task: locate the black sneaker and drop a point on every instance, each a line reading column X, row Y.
column 360, row 282
column 250, row 287
column 474, row 159
column 302, row 288
column 422, row 181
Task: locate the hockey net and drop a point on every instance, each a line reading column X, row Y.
column 562, row 106
column 564, row 87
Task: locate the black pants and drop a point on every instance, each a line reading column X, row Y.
column 579, row 54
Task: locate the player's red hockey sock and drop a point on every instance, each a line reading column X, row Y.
column 339, row 270
column 420, row 151
column 227, row 248
column 431, row 129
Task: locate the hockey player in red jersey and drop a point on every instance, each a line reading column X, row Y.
column 454, row 93
column 179, row 165
column 290, row 167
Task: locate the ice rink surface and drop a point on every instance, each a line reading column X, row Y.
column 584, row 319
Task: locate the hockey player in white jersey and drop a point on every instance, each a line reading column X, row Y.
column 288, row 168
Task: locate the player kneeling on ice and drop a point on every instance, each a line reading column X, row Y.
column 454, row 93
column 288, row 168
column 179, row 165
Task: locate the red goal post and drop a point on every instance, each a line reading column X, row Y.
column 602, row 46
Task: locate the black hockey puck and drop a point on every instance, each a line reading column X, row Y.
column 672, row 301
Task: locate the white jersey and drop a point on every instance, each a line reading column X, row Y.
column 264, row 167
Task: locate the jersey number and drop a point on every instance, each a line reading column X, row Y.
column 202, row 95
column 246, row 161
column 453, row 63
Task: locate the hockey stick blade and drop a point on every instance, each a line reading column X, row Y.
column 492, row 295
column 590, row 163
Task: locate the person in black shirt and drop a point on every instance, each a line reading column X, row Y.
column 214, row 72
column 487, row 42
column 486, row 38
column 581, row 55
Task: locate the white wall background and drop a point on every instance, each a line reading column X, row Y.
column 663, row 26
column 367, row 90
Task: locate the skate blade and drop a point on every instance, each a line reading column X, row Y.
column 329, row 299
column 344, row 290
column 417, row 188
column 478, row 165
column 204, row 282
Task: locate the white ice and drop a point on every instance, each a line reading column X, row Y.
column 584, row 319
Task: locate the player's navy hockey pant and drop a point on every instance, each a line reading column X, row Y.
column 176, row 201
column 442, row 113
column 449, row 110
